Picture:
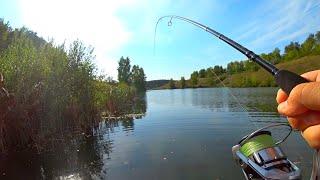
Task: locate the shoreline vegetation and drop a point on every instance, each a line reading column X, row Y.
column 298, row 58
column 51, row 93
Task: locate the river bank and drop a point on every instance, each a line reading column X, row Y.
column 259, row 78
column 49, row 91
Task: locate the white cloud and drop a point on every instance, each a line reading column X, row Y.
column 280, row 21
column 94, row 22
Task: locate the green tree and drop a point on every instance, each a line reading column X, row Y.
column 308, row 46
column 209, row 72
column 5, row 32
column 235, row 67
column 218, row 70
column 171, row 84
column 124, row 70
column 183, row 82
column 317, row 46
column 276, row 57
column 81, row 79
column 138, row 78
column 194, row 78
column 292, row 51
column 250, row 66
column 202, row 73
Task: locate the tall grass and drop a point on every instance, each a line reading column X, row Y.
column 54, row 93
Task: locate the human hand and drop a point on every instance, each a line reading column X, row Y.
column 302, row 107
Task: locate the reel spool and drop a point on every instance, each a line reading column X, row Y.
column 260, row 157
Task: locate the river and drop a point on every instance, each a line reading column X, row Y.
column 184, row 134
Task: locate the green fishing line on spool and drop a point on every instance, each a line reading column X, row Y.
column 256, row 144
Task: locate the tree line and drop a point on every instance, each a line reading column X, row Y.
column 294, row 50
column 48, row 90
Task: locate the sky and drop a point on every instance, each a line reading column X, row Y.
column 126, row 28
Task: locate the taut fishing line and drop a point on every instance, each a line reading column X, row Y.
column 258, row 154
column 243, row 107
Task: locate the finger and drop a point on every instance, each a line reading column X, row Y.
column 312, row 75
column 303, row 97
column 312, row 136
column 305, row 120
column 281, row 96
column 291, row 110
column 310, row 95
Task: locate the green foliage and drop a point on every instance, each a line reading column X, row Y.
column 307, row 47
column 119, row 98
column 218, row 70
column 251, row 66
column 249, row 74
column 210, row 81
column 6, row 35
column 209, row 72
column 134, row 76
column 202, row 73
column 183, row 82
column 156, row 84
column 194, row 78
column 138, row 78
column 274, row 57
column 171, row 84
column 124, row 70
column 235, row 67
column 55, row 90
column 291, row 51
column 294, row 50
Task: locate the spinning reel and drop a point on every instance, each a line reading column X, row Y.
column 260, row 157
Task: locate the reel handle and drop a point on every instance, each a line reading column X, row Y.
column 287, row 80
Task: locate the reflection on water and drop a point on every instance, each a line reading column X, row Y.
column 185, row 134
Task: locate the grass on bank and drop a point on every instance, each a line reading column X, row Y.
column 260, row 78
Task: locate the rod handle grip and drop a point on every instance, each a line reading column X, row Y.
column 287, row 80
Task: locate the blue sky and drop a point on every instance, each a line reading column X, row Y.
column 126, row 28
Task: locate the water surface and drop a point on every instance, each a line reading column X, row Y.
column 185, row 134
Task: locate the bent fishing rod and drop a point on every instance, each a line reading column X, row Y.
column 258, row 155
column 285, row 79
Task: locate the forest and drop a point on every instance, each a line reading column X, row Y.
column 50, row 91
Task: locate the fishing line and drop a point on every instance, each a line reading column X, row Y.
column 257, row 154
column 244, row 108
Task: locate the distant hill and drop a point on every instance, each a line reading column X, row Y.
column 156, row 84
column 259, row 78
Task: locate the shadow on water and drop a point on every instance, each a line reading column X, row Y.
column 73, row 157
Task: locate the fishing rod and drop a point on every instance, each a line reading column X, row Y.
column 258, row 155
column 285, row 79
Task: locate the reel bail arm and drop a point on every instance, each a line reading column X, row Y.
column 260, row 157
